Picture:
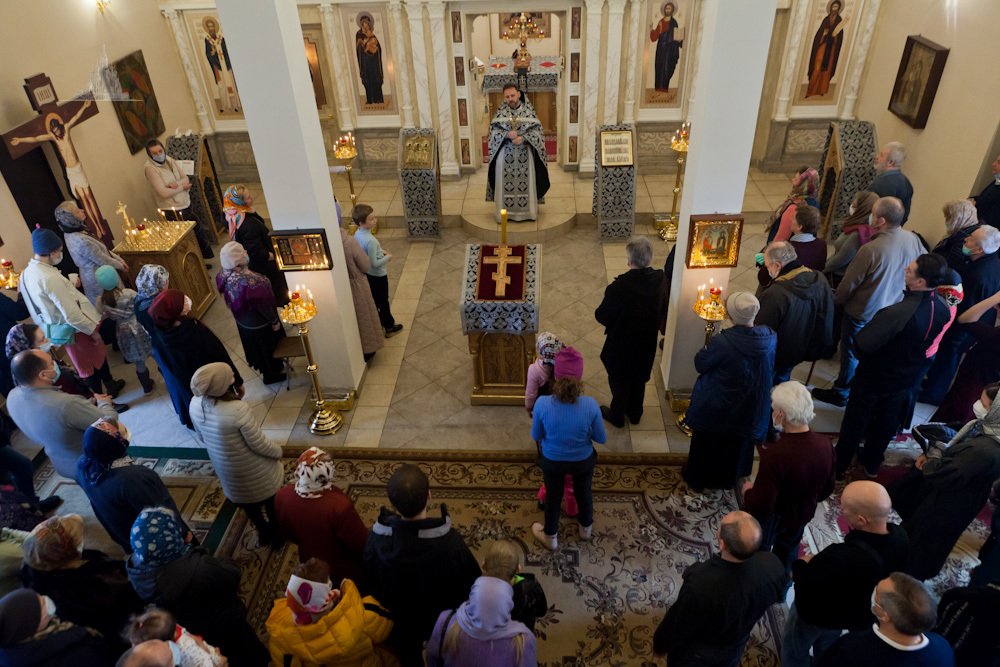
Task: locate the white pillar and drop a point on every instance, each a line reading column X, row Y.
column 694, row 48
column 613, row 60
column 264, row 37
column 418, row 50
column 591, row 79
column 177, row 30
column 634, row 33
column 402, row 62
column 721, row 141
column 333, row 32
column 790, row 58
column 443, row 67
column 864, row 41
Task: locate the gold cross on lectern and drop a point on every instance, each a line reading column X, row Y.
column 501, row 258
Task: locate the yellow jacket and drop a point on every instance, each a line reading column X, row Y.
column 348, row 635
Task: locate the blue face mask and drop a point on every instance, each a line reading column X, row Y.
column 159, row 159
column 58, row 371
column 966, row 251
column 176, row 651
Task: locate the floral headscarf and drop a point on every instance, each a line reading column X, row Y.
column 548, row 346
column 152, row 279
column 805, row 184
column 104, row 447
column 17, row 341
column 157, row 537
column 314, row 473
column 235, row 207
column 69, row 223
column 309, row 600
column 55, row 544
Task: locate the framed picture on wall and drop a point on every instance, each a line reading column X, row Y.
column 574, row 23
column 714, row 241
column 301, row 250
column 572, row 149
column 574, row 67
column 459, row 71
column 616, row 148
column 917, row 80
column 456, row 27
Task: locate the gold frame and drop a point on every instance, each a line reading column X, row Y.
column 308, row 235
column 699, row 225
column 607, row 135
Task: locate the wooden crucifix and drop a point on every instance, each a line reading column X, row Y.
column 501, row 258
column 53, row 124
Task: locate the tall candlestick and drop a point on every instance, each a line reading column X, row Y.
column 503, row 226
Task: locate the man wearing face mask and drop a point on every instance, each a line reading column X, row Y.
column 873, row 280
column 31, row 634
column 51, row 417
column 170, row 187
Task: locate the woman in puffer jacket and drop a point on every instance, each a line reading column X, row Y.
column 247, row 463
column 316, row 624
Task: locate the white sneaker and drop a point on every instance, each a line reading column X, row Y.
column 585, row 532
column 550, row 542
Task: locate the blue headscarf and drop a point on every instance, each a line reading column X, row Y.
column 103, row 444
column 157, row 537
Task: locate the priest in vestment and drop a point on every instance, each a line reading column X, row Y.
column 518, row 178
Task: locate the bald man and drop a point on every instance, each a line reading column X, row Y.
column 722, row 599
column 833, row 588
column 152, row 653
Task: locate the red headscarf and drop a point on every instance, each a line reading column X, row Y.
column 167, row 307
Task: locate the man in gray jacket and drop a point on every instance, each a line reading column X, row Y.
column 873, row 280
column 50, row 417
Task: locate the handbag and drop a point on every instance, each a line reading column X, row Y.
column 59, row 334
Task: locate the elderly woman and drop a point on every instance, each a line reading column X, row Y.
column 358, row 265
column 152, row 280
column 318, row 517
column 249, row 296
column 88, row 587
column 960, row 220
column 856, row 232
column 86, row 250
column 805, row 185
column 117, row 487
column 185, row 345
column 247, row 228
column 567, row 425
column 247, row 463
column 200, row 590
column 947, row 487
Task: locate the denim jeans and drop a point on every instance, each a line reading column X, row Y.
column 19, row 467
column 849, row 328
column 800, row 637
column 554, row 473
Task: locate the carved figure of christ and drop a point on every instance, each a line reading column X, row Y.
column 501, row 258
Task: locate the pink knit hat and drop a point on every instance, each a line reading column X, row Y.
column 569, row 364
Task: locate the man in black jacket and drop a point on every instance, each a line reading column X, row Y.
column 631, row 311
column 798, row 305
column 414, row 565
column 833, row 588
column 893, row 351
column 889, row 181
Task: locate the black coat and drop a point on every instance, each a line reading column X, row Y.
column 11, row 312
column 950, row 247
column 74, row 646
column 255, row 238
column 988, row 205
column 631, row 312
column 798, row 305
column 980, row 281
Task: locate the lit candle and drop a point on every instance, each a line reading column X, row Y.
column 503, row 226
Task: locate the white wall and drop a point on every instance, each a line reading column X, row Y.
column 944, row 159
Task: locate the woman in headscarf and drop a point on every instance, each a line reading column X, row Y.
column 247, row 463
column 358, row 264
column 247, row 228
column 88, row 587
column 960, row 220
column 249, row 296
column 948, row 486
column 117, row 487
column 152, row 280
column 199, row 589
column 317, row 516
column 86, row 250
column 805, row 186
column 185, row 345
column 317, row 624
column 856, row 232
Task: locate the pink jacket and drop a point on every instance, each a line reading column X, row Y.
column 539, row 374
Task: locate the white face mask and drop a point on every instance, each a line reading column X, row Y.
column 850, row 209
column 50, row 606
column 979, row 410
column 777, row 425
column 175, row 651
column 187, row 305
column 46, row 346
column 56, row 258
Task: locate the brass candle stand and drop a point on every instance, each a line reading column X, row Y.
column 324, row 421
column 679, row 143
column 711, row 310
column 346, row 150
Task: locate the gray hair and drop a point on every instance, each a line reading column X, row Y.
column 895, row 152
column 990, row 238
column 910, row 606
column 890, row 208
column 639, row 252
column 69, row 206
column 794, row 400
column 781, row 252
column 959, row 214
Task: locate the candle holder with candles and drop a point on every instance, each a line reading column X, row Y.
column 679, row 144
column 9, row 278
column 299, row 311
column 345, row 150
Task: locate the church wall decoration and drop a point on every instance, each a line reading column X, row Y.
column 315, row 72
column 140, row 116
column 574, row 67
column 456, row 27
column 917, row 80
column 459, row 71
column 509, row 21
column 714, row 241
column 574, row 108
column 666, row 37
column 367, row 28
column 616, row 148
column 302, row 250
column 463, row 113
column 826, row 44
column 572, row 144
column 466, row 152
column 574, row 23
column 209, row 41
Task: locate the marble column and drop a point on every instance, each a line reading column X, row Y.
column 418, row 51
column 634, row 34
column 443, row 67
column 591, row 84
column 265, row 37
column 694, row 44
column 333, row 33
column 790, row 60
column 183, row 50
column 864, row 41
column 402, row 63
column 613, row 60
column 717, row 163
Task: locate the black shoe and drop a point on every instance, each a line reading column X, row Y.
column 273, row 379
column 115, row 388
column 636, row 420
column 831, row 396
column 369, row 356
column 50, row 504
column 871, row 474
column 606, row 414
column 389, row 333
column 120, row 407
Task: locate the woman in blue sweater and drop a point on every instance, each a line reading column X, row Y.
column 567, row 425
